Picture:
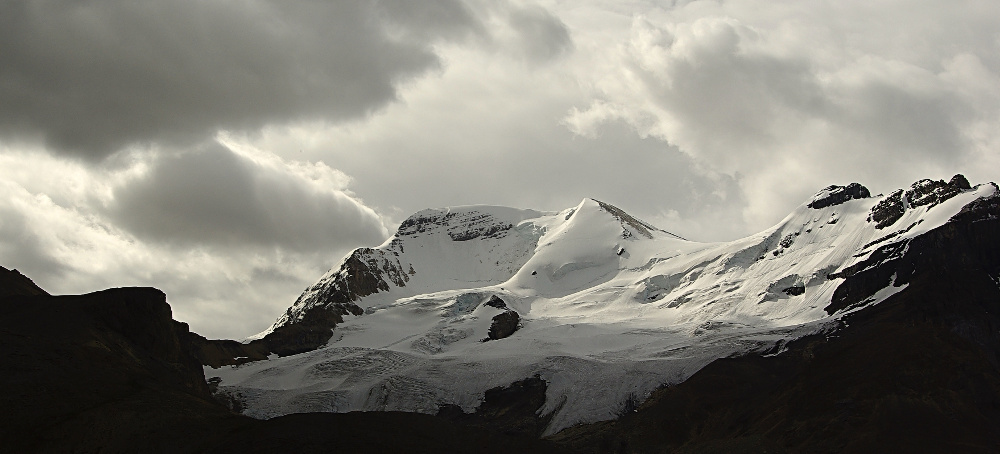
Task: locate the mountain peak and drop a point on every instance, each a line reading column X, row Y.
column 836, row 195
column 641, row 227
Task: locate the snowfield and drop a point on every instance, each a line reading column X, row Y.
column 610, row 307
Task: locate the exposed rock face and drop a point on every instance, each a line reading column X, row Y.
column 505, row 323
column 497, row 302
column 224, row 352
column 930, row 192
column 364, row 272
column 922, row 193
column 835, row 195
column 794, row 290
column 970, row 240
column 959, row 181
column 888, row 211
column 460, row 226
column 512, row 409
column 629, row 223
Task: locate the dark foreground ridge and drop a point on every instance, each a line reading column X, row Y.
column 110, row 372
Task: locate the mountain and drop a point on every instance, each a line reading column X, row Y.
column 763, row 344
column 111, row 372
column 599, row 311
column 917, row 372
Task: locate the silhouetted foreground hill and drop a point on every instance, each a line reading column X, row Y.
column 106, row 372
column 12, row 282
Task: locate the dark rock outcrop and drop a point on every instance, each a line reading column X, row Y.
column 512, row 410
column 497, row 302
column 959, row 181
column 889, row 210
column 367, row 271
column 970, row 240
column 460, row 226
column 922, row 193
column 224, row 352
column 836, row 195
column 312, row 331
column 504, row 324
column 794, row 290
column 375, row 432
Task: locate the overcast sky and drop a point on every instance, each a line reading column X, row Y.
column 230, row 152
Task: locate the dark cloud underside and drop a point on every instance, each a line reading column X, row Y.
column 214, row 196
column 93, row 76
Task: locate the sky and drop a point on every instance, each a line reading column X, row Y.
column 230, row 152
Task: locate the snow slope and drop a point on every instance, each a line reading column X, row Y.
column 610, row 307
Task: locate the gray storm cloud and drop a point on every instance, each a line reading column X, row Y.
column 90, row 77
column 212, row 195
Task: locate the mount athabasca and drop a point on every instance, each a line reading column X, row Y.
column 601, row 306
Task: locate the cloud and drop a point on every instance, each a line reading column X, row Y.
column 540, row 35
column 480, row 135
column 91, row 77
column 20, row 244
column 712, row 119
column 68, row 244
column 781, row 96
column 241, row 231
column 214, row 196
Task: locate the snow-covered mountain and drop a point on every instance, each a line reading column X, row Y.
column 603, row 307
